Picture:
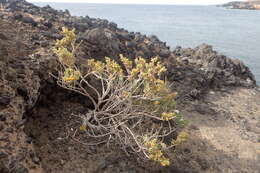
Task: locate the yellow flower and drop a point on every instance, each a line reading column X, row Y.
column 126, row 94
column 68, row 79
column 156, row 103
column 154, row 60
column 127, row 63
column 154, row 149
column 163, row 145
column 167, row 116
column 83, row 128
column 65, row 56
column 68, row 37
column 70, row 75
column 182, row 137
column 133, row 73
column 165, row 162
column 96, row 66
column 161, row 70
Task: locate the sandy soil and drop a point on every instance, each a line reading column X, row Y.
column 229, row 122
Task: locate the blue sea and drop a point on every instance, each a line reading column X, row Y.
column 235, row 33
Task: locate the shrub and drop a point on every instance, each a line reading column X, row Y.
column 133, row 106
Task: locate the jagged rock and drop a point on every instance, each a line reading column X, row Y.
column 81, row 27
column 52, row 35
column 18, row 16
column 124, row 36
column 48, row 24
column 218, row 70
column 48, row 9
column 113, row 25
column 105, row 42
column 165, row 53
column 154, row 38
column 29, row 20
column 130, row 44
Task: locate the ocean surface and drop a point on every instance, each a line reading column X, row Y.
column 235, row 33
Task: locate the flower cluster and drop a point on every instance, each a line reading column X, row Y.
column 66, row 57
column 108, row 69
column 182, row 137
column 112, row 67
column 167, row 116
column 96, row 66
column 83, row 128
column 150, row 73
column 70, row 75
column 154, row 150
column 68, row 39
column 127, row 63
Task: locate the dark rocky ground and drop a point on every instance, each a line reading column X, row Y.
column 218, row 96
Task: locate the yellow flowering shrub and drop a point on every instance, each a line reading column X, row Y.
column 128, row 95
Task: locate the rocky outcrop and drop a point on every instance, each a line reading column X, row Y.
column 249, row 5
column 202, row 68
column 29, row 93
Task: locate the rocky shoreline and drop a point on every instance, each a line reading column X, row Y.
column 248, row 5
column 32, row 106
